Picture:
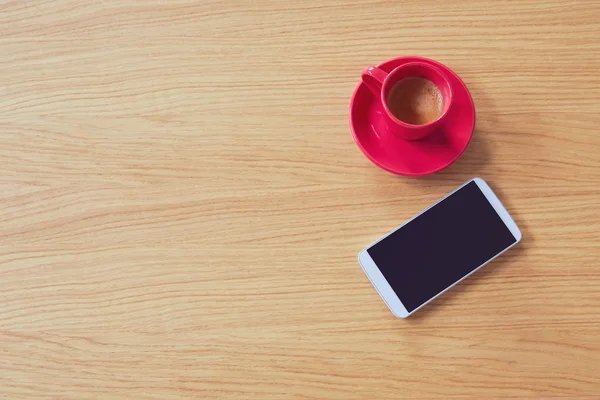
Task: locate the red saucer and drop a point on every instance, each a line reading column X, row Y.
column 412, row 158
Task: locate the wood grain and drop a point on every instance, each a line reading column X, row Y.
column 181, row 202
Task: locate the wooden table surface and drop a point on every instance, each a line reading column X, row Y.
column 182, row 203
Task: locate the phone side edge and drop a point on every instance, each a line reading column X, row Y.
column 499, row 208
column 381, row 285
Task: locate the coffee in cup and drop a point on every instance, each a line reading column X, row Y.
column 416, row 101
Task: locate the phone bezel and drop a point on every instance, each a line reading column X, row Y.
column 381, row 284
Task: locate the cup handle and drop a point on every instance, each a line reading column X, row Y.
column 373, row 77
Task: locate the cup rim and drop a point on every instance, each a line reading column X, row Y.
column 387, row 81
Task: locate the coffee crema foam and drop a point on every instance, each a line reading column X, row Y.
column 416, row 101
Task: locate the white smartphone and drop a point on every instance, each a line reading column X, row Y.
column 439, row 247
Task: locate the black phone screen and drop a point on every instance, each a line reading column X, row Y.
column 441, row 246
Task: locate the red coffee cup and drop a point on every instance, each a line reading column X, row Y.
column 381, row 82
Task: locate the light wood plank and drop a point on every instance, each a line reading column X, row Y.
column 182, row 203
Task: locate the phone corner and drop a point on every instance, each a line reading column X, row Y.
column 360, row 257
column 364, row 259
column 518, row 235
column 480, row 182
column 401, row 314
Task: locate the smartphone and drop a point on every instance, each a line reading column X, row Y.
column 439, row 247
